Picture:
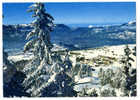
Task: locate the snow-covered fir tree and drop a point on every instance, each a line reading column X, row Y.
column 129, row 86
column 81, row 70
column 63, row 80
column 133, row 78
column 46, row 69
column 38, row 70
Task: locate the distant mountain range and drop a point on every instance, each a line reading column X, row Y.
column 74, row 38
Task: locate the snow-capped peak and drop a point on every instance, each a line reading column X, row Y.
column 25, row 24
column 132, row 22
column 90, row 26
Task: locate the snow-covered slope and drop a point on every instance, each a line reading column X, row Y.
column 107, row 57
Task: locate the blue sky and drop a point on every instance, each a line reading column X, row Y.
column 74, row 13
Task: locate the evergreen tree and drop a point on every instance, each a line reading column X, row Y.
column 47, row 74
column 63, row 84
column 107, row 93
column 82, row 70
column 133, row 78
column 38, row 70
column 129, row 88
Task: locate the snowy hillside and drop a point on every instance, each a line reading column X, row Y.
column 107, row 57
